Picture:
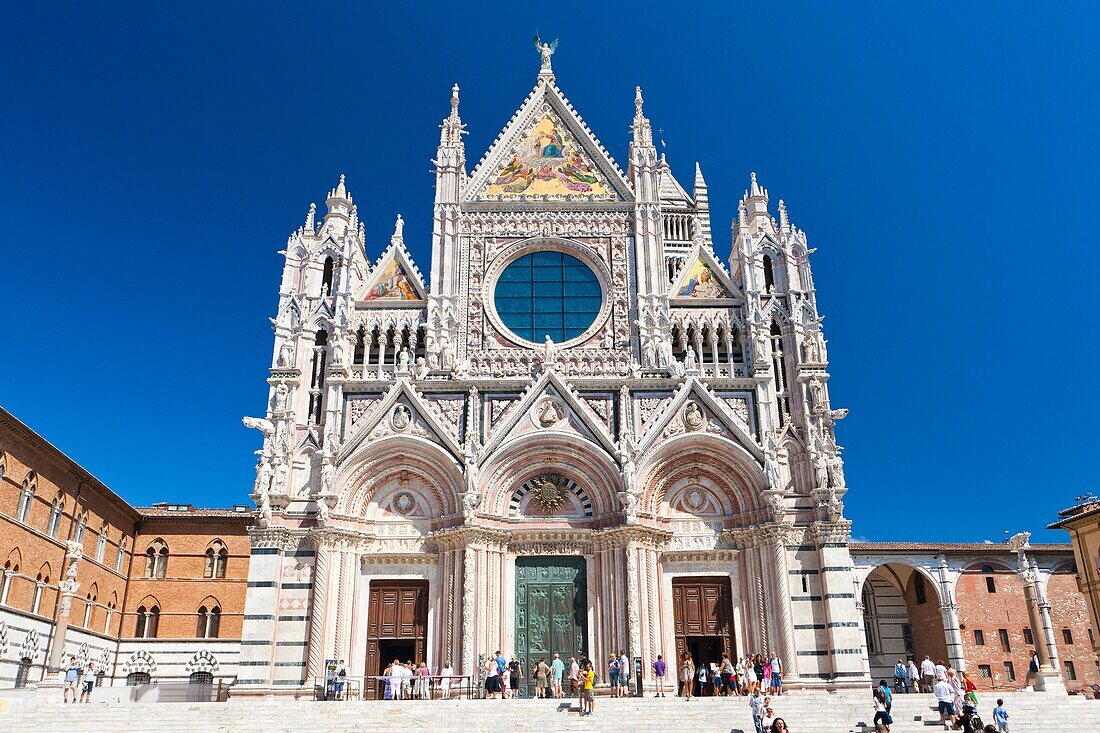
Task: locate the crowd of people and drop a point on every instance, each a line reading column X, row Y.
column 955, row 693
column 750, row 673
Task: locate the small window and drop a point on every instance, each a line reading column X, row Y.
column 979, row 637
column 101, row 544
column 769, row 275
column 990, row 585
column 326, row 277
column 1029, row 639
column 805, row 585
column 918, row 589
column 121, row 554
column 1010, row 672
column 137, row 678
column 1092, row 639
column 201, row 678
column 1071, row 671
column 1067, row 636
column 985, row 671
column 139, row 623
column 1002, row 634
column 23, row 672
column 907, row 638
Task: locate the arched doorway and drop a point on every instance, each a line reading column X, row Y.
column 901, row 618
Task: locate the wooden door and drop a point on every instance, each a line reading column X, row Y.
column 397, row 611
column 702, row 608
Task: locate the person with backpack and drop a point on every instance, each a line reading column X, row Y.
column 887, row 697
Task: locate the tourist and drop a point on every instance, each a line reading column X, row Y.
column 701, row 676
column 756, row 704
column 945, row 702
column 339, row 679
column 941, row 671
column 589, row 689
column 1000, row 717
column 408, row 671
column 387, row 675
column 779, row 726
column 742, row 681
column 751, row 676
column 87, row 683
column 574, row 675
column 542, row 679
column 899, row 677
column 515, row 673
column 725, row 672
column 768, row 717
column 687, row 676
column 758, row 670
column 970, row 689
column 957, row 690
column 882, row 720
column 397, row 679
column 624, row 673
column 1033, row 668
column 887, row 698
column 927, row 674
column 557, row 668
column 72, row 679
column 914, row 676
column 659, row 670
column 423, row 682
column 493, row 686
column 445, row 674
column 716, row 678
column 777, row 675
column 613, row 674
column 766, row 679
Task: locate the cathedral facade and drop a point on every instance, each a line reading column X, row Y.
column 591, row 429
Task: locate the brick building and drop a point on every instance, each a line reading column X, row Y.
column 158, row 592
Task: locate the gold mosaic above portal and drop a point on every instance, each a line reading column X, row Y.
column 547, row 162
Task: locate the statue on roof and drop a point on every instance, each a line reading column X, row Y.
column 546, row 50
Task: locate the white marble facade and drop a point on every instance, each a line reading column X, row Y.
column 681, row 425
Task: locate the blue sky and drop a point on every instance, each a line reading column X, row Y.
column 942, row 158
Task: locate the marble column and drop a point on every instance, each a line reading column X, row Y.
column 777, row 539
column 949, row 610
column 318, row 607
column 1049, row 678
column 67, row 588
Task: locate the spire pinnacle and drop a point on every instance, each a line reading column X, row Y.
column 310, row 218
column 452, row 128
column 784, row 220
column 398, row 231
column 638, row 102
column 643, row 132
column 454, row 102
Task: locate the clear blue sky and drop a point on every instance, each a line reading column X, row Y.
column 942, row 157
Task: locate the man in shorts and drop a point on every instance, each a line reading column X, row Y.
column 945, row 703
column 927, row 674
column 557, row 669
column 574, row 676
column 660, row 667
column 624, row 673
column 87, row 682
column 72, row 679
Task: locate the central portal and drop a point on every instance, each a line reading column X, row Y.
column 551, row 612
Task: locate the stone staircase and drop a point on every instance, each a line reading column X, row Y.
column 804, row 713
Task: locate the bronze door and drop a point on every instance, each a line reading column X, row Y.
column 551, row 612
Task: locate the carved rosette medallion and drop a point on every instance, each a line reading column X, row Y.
column 694, row 419
column 401, row 418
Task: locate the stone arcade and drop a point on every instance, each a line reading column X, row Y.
column 587, row 431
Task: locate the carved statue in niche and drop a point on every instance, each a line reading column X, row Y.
column 421, row 368
column 817, row 392
column 446, row 354
column 263, row 512
column 821, row 470
column 775, row 502
column 762, row 347
column 432, row 350
column 689, row 360
column 284, row 355
column 263, row 477
column 282, row 475
column 328, row 471
column 836, row 471
column 771, row 468
column 324, row 511
column 401, row 417
column 811, row 348
column 693, row 416
column 549, row 352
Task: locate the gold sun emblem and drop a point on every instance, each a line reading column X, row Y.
column 548, row 494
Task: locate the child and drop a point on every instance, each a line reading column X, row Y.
column 1000, row 717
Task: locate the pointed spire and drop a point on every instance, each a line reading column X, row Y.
column 702, row 202
column 784, row 221
column 311, row 216
column 339, row 202
column 643, row 133
column 756, row 201
column 452, row 128
column 398, row 231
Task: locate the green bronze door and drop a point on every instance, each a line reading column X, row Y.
column 551, row 612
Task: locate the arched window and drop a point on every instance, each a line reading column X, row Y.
column 208, row 622
column 111, row 606
column 156, row 560
column 317, row 379
column 121, row 553
column 216, row 559
column 152, row 623
column 40, row 583
column 780, row 374
column 88, row 611
column 769, row 275
column 326, row 277
column 26, row 497
column 81, row 524
column 101, row 543
column 918, row 589
column 11, row 569
column 200, row 625
column 137, row 678
column 139, row 623
column 53, row 525
column 201, row 678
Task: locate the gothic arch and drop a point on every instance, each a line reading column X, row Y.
column 202, row 661
column 140, row 661
column 386, row 460
column 15, row 558
column 728, row 467
column 571, row 456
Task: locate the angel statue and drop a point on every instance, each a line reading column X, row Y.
column 546, row 50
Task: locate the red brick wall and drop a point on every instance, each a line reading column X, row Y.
column 1007, row 609
column 185, row 588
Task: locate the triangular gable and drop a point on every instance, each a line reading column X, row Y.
column 422, row 420
column 712, row 407
column 553, row 386
column 547, row 152
column 669, row 189
column 703, row 278
column 394, row 279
